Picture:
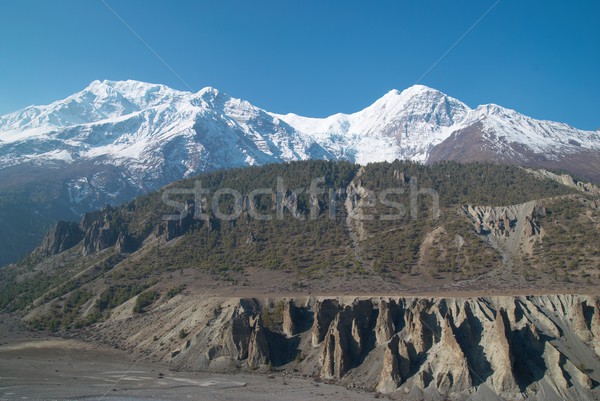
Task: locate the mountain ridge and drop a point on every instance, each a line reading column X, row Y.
column 404, row 124
column 117, row 139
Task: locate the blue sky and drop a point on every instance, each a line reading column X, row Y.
column 312, row 57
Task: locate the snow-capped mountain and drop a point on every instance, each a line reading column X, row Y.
column 115, row 140
column 400, row 125
column 419, row 123
column 155, row 133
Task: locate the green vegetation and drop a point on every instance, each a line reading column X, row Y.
column 144, row 300
column 115, row 295
column 175, row 290
column 472, row 183
column 418, row 242
column 64, row 314
column 272, row 316
column 569, row 244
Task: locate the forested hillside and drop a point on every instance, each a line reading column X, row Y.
column 313, row 226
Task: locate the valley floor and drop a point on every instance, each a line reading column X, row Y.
column 35, row 368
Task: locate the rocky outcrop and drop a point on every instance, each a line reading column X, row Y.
column 289, row 317
column 390, row 374
column 511, row 347
column 64, row 235
column 567, row 180
column 512, row 230
column 358, row 201
column 125, row 243
column 335, row 354
column 506, row 221
column 258, row 346
column 595, row 324
column 238, row 331
column 90, row 218
column 348, row 340
column 324, row 313
column 421, row 326
column 450, row 369
column 97, row 231
column 385, row 327
column 501, row 355
column 103, row 229
column 176, row 227
column 98, row 237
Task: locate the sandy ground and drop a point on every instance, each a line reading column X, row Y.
column 60, row 369
column 258, row 283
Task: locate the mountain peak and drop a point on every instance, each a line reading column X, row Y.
column 131, row 90
column 403, row 124
column 493, row 107
column 416, row 97
column 415, row 90
column 419, row 96
column 393, row 92
column 120, row 86
column 209, row 91
column 418, row 89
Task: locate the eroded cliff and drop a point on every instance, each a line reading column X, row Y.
column 523, row 347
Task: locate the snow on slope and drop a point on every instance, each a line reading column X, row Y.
column 151, row 128
column 156, row 134
column 400, row 125
column 542, row 137
column 115, row 140
column 408, row 124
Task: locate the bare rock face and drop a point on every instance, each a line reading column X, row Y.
column 335, row 354
column 414, row 348
column 258, row 347
column 567, row 180
column 238, row 332
column 97, row 231
column 348, row 339
column 176, row 227
column 98, row 237
column 325, row 311
column 289, row 316
column 64, row 235
column 125, row 243
column 390, row 374
column 363, row 322
column 501, row 356
column 404, row 359
column 451, row 369
column 90, row 218
column 100, row 231
column 582, row 321
column 506, row 222
column 511, row 230
column 595, row 326
column 384, row 329
column 420, row 326
column 358, row 199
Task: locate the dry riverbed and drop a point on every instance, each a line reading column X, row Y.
column 59, row 369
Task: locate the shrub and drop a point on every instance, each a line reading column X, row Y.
column 144, row 300
column 175, row 290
